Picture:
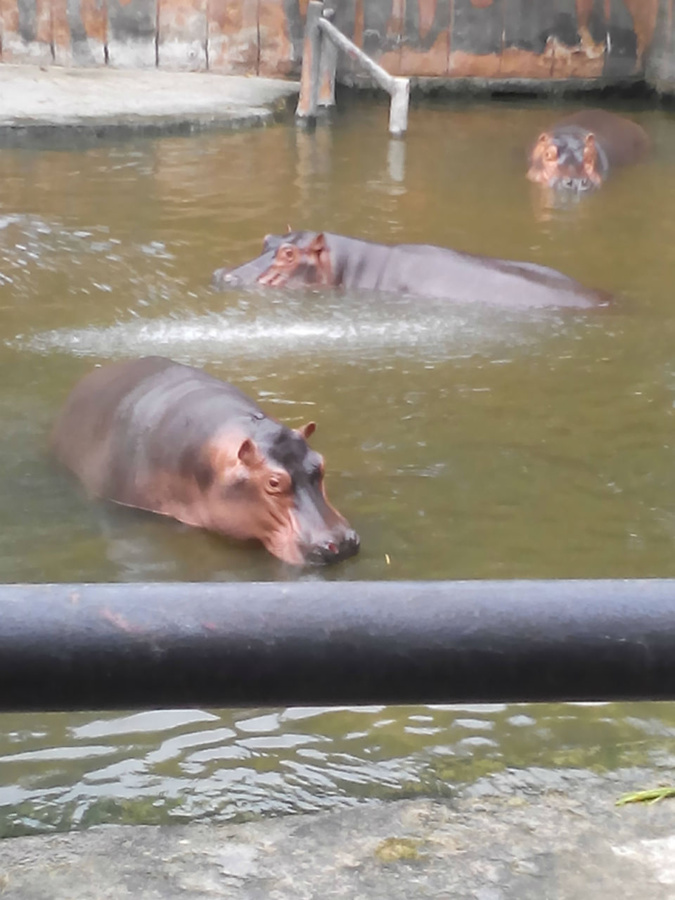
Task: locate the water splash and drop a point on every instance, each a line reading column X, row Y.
column 400, row 328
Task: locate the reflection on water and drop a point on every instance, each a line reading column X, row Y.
column 178, row 765
column 461, row 442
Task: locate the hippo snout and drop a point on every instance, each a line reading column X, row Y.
column 572, row 183
column 333, row 550
column 225, row 278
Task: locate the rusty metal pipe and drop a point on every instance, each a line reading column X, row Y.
column 121, row 646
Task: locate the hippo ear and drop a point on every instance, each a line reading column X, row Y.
column 306, row 431
column 590, row 150
column 247, row 453
column 321, row 253
column 318, row 245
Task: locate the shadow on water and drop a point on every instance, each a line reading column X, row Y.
column 461, row 441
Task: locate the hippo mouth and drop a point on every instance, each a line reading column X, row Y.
column 328, row 552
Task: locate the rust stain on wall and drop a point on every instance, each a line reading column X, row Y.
column 574, row 62
column 395, row 23
column 43, row 21
column 644, row 14
column 473, row 65
column 431, row 63
column 277, row 55
column 427, row 14
column 390, row 58
column 358, row 23
column 9, row 17
column 232, row 36
column 26, row 30
column 79, row 32
column 94, row 19
column 181, row 34
column 517, row 63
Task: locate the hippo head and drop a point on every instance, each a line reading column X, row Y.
column 568, row 160
column 300, row 258
column 296, row 258
column 272, row 489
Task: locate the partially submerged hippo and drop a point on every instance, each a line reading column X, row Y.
column 578, row 152
column 156, row 435
column 321, row 259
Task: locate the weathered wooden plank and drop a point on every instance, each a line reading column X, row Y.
column 79, row 32
column 182, row 34
column 26, row 31
column 281, row 25
column 232, row 36
column 132, row 31
column 476, row 39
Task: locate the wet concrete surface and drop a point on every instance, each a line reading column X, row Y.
column 534, row 834
column 148, row 101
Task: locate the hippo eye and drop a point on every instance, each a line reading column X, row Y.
column 551, row 154
column 275, row 484
column 287, row 253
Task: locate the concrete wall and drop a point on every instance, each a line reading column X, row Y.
column 494, row 39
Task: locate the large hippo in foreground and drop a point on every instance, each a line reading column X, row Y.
column 321, row 259
column 156, row 435
column 578, row 152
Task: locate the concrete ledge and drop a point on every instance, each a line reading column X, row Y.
column 519, row 835
column 37, row 100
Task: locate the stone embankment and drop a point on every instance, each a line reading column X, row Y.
column 109, row 101
column 534, row 834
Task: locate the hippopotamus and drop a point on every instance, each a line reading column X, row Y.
column 578, row 152
column 321, row 259
column 160, row 436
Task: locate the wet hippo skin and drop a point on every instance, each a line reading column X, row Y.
column 578, row 152
column 322, row 259
column 157, row 435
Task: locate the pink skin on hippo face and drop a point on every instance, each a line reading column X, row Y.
column 570, row 162
column 160, row 436
column 254, row 496
column 578, row 151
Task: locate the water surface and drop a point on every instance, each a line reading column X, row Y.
column 462, row 441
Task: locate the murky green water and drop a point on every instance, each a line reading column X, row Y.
column 461, row 441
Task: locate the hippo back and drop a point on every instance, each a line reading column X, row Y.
column 127, row 420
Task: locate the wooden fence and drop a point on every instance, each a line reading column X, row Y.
column 547, row 40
